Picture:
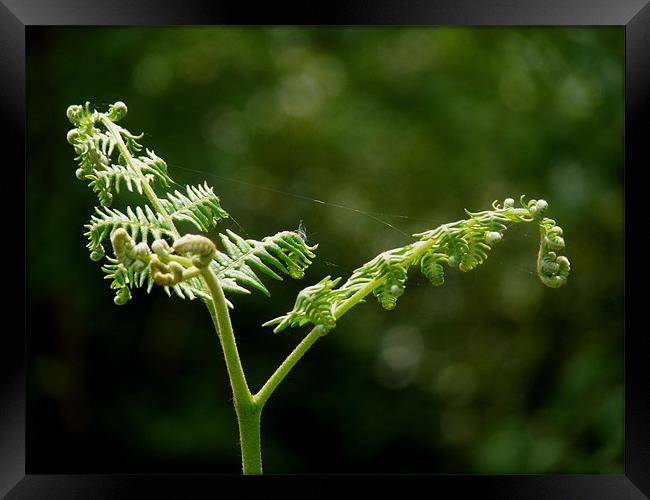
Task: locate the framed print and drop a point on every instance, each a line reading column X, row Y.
column 363, row 244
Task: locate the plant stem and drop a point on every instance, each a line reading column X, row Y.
column 248, row 412
column 263, row 394
column 249, row 439
column 283, row 370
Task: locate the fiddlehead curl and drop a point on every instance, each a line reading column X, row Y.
column 432, row 269
column 117, row 111
column 77, row 114
column 168, row 274
column 553, row 269
column 201, row 249
column 128, row 253
column 393, row 287
column 537, row 208
column 492, row 237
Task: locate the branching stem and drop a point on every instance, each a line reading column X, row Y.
column 461, row 244
column 283, row 370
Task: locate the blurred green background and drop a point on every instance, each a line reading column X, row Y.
column 492, row 373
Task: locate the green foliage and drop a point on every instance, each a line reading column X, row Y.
column 148, row 249
column 313, row 305
column 240, row 261
column 95, row 144
column 107, row 155
column 142, row 223
column 200, row 207
column 463, row 244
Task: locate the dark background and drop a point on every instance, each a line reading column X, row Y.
column 492, row 373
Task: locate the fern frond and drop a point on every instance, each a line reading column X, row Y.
column 99, row 158
column 135, row 264
column 553, row 269
column 151, row 164
column 199, row 206
column 190, row 290
column 392, row 288
column 432, row 269
column 124, row 279
column 463, row 244
column 110, row 157
column 237, row 265
column 311, row 308
column 141, row 222
column 107, row 181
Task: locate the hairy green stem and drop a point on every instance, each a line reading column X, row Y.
column 283, row 370
column 248, row 412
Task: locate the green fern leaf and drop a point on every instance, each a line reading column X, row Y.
column 199, row 206
column 236, row 267
column 142, row 222
column 238, row 264
column 125, row 279
column 106, row 182
column 314, row 304
column 463, row 244
column 100, row 160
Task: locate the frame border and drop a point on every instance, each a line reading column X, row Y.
column 634, row 15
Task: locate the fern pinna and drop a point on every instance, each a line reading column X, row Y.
column 148, row 249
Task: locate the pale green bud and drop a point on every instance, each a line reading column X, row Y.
column 74, row 114
column 492, row 237
column 117, row 111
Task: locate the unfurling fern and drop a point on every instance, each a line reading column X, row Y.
column 95, row 139
column 141, row 222
column 432, row 269
column 108, row 156
column 148, row 250
column 392, row 288
column 463, row 244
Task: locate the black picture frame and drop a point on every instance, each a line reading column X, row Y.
column 17, row 15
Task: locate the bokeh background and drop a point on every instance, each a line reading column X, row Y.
column 397, row 130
